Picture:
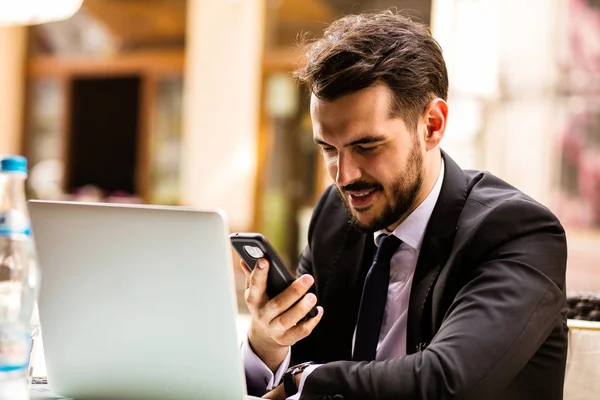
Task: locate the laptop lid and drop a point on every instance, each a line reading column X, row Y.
column 137, row 302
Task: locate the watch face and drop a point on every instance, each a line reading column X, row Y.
column 295, row 369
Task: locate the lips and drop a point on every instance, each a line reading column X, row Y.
column 361, row 199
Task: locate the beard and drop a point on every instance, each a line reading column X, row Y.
column 400, row 196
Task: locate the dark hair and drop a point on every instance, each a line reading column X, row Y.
column 358, row 51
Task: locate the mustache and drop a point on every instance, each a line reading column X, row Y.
column 361, row 186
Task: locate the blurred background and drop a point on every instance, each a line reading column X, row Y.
column 191, row 102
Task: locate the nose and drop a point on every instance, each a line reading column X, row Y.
column 348, row 170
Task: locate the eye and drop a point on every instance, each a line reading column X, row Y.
column 367, row 149
column 328, row 149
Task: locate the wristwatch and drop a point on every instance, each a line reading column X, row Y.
column 289, row 378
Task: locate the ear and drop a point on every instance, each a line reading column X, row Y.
column 436, row 115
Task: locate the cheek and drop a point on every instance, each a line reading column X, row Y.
column 382, row 169
column 400, row 160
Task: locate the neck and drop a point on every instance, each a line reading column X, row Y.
column 431, row 171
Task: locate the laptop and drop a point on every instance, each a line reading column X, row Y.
column 137, row 302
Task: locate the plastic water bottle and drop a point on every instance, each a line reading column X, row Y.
column 19, row 280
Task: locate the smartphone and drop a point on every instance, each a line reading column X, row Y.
column 252, row 246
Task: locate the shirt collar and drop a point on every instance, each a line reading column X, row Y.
column 412, row 230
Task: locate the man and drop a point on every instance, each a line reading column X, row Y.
column 432, row 282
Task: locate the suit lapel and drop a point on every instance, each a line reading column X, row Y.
column 348, row 262
column 435, row 249
column 345, row 255
column 342, row 251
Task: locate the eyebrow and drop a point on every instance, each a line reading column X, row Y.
column 364, row 140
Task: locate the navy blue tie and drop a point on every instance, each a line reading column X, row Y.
column 372, row 304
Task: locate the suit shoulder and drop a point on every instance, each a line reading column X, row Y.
column 496, row 213
column 499, row 221
column 493, row 195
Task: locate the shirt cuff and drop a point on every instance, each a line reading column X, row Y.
column 307, row 371
column 259, row 378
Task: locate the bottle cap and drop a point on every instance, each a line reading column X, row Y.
column 14, row 164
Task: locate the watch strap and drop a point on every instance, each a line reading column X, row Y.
column 289, row 385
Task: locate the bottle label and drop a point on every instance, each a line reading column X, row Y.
column 14, row 223
column 14, row 349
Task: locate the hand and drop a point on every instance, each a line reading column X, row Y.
column 276, row 394
column 279, row 391
column 274, row 326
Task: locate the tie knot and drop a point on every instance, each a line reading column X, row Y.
column 386, row 249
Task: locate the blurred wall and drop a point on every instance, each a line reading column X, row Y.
column 501, row 59
column 521, row 127
column 12, row 85
column 465, row 30
column 221, row 106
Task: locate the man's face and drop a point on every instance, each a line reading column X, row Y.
column 375, row 161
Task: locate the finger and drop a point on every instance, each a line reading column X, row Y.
column 245, row 268
column 301, row 330
column 277, row 393
column 256, row 292
column 284, row 300
column 290, row 318
column 247, row 273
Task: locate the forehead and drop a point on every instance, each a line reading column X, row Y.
column 368, row 109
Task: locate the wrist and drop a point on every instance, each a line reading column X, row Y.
column 293, row 376
column 269, row 351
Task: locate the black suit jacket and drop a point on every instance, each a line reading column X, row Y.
column 485, row 317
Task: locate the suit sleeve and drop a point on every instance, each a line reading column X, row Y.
column 506, row 308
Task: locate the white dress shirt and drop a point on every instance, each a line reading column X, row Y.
column 392, row 337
